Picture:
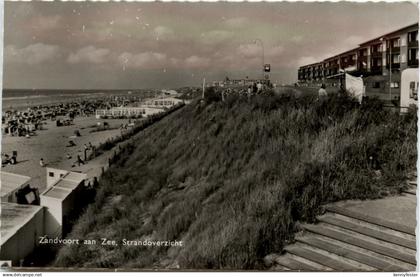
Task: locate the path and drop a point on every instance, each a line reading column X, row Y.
column 371, row 235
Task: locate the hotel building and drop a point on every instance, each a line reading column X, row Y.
column 379, row 61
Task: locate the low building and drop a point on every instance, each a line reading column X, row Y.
column 166, row 102
column 118, row 112
column 11, row 184
column 60, row 199
column 170, row 92
column 21, row 228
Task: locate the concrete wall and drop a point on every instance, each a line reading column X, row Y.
column 24, row 241
column 57, row 173
column 53, row 216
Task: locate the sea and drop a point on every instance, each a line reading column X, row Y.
column 20, row 99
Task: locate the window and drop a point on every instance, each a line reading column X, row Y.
column 396, row 42
column 51, row 174
column 376, row 48
column 395, row 58
column 414, row 90
column 403, row 58
column 395, row 84
column 376, row 85
column 377, row 62
column 413, row 36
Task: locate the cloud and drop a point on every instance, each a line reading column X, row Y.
column 175, row 61
column 197, row 62
column 236, row 22
column 275, row 51
column 351, row 41
column 216, row 36
column 142, row 60
column 250, row 50
column 32, row 54
column 163, row 33
column 45, row 23
column 305, row 60
column 297, row 38
column 89, row 54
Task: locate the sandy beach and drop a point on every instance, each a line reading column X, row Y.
column 51, row 145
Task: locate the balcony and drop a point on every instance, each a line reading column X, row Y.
column 376, row 54
column 376, row 69
column 413, row 63
column 393, row 50
column 413, row 44
column 393, row 65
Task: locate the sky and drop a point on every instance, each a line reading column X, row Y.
column 100, row 45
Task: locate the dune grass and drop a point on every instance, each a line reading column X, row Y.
column 233, row 179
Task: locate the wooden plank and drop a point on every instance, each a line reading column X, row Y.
column 369, row 232
column 373, row 220
column 414, row 183
column 411, row 190
column 294, row 265
column 363, row 258
column 320, row 258
column 354, row 240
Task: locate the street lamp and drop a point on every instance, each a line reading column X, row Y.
column 390, row 65
column 262, row 56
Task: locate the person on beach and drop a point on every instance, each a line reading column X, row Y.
column 322, row 92
column 259, row 87
column 79, row 160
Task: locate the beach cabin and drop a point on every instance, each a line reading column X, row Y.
column 61, row 200
column 127, row 112
column 166, row 102
column 21, row 228
column 409, row 88
column 11, row 184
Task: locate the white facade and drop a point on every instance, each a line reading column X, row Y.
column 21, row 227
column 409, row 88
column 166, row 102
column 127, row 111
column 10, row 184
column 60, row 199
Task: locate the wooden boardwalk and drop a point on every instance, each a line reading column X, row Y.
column 372, row 235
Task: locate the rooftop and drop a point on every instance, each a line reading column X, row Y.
column 13, row 217
column 11, row 182
column 415, row 25
column 64, row 186
column 390, row 34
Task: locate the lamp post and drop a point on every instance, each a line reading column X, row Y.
column 390, row 64
column 262, row 56
column 390, row 68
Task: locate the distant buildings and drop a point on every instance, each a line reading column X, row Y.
column 166, row 102
column 372, row 60
column 237, row 82
column 118, row 112
column 148, row 108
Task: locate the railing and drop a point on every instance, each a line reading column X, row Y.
column 413, row 44
column 413, row 62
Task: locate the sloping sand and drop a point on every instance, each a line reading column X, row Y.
column 51, row 145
